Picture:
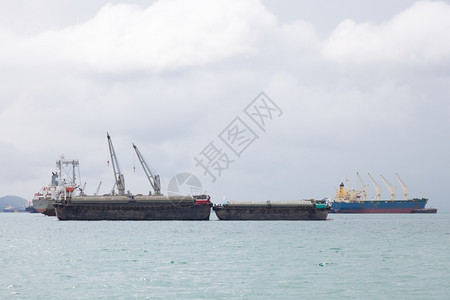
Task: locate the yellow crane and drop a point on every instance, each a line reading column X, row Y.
column 363, row 187
column 376, row 187
column 404, row 188
column 389, row 186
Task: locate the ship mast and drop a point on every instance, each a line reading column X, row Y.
column 120, row 180
column 363, row 189
column 389, row 186
column 376, row 187
column 60, row 164
column 404, row 188
column 154, row 179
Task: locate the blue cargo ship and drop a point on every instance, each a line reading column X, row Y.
column 350, row 201
column 380, row 206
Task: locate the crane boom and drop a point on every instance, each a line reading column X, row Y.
column 120, row 180
column 154, row 179
column 404, row 188
column 376, row 187
column 389, row 186
column 98, row 188
column 363, row 187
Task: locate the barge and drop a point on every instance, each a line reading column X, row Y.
column 125, row 206
column 295, row 210
column 134, row 208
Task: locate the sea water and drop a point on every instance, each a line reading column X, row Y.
column 398, row 256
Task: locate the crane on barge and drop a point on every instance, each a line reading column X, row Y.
column 120, row 180
column 154, row 179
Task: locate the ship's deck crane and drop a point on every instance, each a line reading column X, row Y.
column 120, row 180
column 404, row 188
column 376, row 187
column 389, row 186
column 154, row 179
column 363, row 189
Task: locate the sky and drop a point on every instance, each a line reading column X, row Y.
column 259, row 100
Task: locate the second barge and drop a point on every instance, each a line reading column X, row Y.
column 295, row 210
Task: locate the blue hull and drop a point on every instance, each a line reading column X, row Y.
column 379, row 206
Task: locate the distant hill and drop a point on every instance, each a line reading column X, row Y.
column 14, row 201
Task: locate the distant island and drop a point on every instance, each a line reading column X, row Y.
column 17, row 203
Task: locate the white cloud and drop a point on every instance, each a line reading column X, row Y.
column 299, row 34
column 417, row 35
column 166, row 35
column 173, row 34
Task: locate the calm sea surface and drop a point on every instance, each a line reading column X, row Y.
column 347, row 257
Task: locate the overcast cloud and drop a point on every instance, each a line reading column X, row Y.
column 362, row 86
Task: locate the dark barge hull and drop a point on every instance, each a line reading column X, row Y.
column 133, row 210
column 425, row 211
column 252, row 213
column 51, row 212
